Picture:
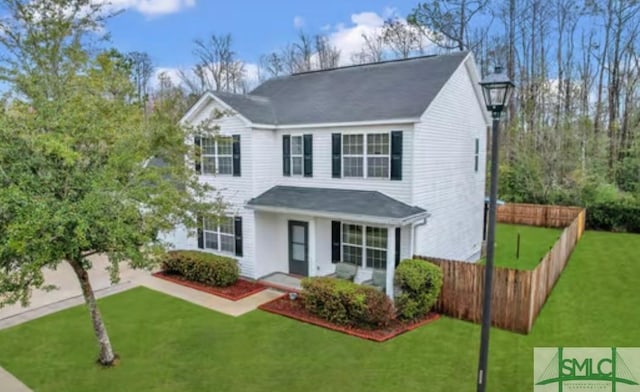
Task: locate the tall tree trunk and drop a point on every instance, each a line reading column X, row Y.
column 107, row 356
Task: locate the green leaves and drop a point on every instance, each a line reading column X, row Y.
column 74, row 148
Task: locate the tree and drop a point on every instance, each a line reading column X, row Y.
column 449, row 19
column 402, row 38
column 217, row 67
column 327, row 54
column 141, row 72
column 307, row 53
column 73, row 147
column 372, row 50
column 272, row 65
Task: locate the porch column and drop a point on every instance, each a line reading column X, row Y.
column 391, row 259
column 313, row 269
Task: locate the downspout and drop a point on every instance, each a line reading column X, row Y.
column 414, row 226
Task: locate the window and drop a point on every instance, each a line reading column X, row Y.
column 477, row 155
column 372, row 162
column 296, row 155
column 378, row 155
column 376, row 247
column 352, row 244
column 368, row 250
column 217, row 155
column 353, row 155
column 219, row 235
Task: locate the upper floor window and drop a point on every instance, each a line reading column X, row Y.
column 296, row 155
column 217, row 155
column 372, row 161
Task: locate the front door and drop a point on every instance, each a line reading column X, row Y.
column 298, row 248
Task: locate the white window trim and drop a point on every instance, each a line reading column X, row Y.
column 292, row 155
column 365, row 155
column 216, row 155
column 363, row 245
column 219, row 234
column 476, row 155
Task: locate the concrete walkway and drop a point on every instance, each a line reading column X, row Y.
column 210, row 301
column 8, row 383
column 69, row 295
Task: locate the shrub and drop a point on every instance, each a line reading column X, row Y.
column 614, row 216
column 201, row 267
column 419, row 285
column 346, row 303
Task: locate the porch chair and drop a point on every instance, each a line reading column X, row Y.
column 378, row 280
column 346, row 271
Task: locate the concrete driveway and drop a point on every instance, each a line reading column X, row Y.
column 68, row 292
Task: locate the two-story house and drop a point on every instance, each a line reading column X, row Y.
column 365, row 164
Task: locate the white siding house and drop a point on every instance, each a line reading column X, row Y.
column 364, row 165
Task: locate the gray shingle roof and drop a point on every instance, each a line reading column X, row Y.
column 387, row 90
column 341, row 201
column 256, row 109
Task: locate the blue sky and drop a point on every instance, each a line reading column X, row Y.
column 166, row 28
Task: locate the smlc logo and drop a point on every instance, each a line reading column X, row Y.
column 586, row 369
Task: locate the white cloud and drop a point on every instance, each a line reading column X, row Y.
column 348, row 39
column 149, row 7
column 298, row 22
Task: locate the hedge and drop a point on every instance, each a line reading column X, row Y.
column 201, row 267
column 346, row 303
column 614, row 216
column 419, row 283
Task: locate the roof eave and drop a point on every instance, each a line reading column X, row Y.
column 201, row 103
column 387, row 221
column 392, row 121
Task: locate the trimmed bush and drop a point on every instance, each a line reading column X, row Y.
column 419, row 283
column 202, row 267
column 346, row 303
column 614, row 216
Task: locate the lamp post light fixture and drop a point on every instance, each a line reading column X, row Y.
column 496, row 89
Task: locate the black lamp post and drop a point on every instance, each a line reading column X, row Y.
column 496, row 89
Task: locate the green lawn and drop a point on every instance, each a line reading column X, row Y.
column 535, row 242
column 170, row 345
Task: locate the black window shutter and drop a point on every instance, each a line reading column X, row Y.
column 198, row 143
column 286, row 155
column 336, row 155
column 238, row 233
column 236, row 156
column 200, row 232
column 336, row 234
column 396, row 155
column 398, row 238
column 308, row 155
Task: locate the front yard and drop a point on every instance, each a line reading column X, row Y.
column 170, row 345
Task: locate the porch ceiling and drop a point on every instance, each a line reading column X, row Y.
column 357, row 204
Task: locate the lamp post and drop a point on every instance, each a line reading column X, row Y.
column 496, row 89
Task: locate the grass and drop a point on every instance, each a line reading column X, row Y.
column 535, row 242
column 170, row 345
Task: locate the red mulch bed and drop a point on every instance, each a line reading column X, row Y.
column 295, row 310
column 241, row 289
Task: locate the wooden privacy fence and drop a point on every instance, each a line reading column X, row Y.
column 537, row 215
column 518, row 295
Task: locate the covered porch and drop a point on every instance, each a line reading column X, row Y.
column 308, row 231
